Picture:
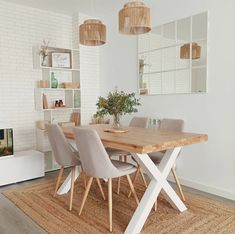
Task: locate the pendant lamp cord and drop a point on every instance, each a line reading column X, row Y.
column 92, row 8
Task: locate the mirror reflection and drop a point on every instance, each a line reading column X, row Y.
column 172, row 58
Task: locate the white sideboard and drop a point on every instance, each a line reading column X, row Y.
column 24, row 165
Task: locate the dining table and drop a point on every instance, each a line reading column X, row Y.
column 140, row 142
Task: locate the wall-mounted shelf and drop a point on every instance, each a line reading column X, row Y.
column 70, row 98
column 60, row 68
column 61, row 109
column 57, row 89
column 38, row 59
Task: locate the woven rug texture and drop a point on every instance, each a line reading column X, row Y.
column 204, row 216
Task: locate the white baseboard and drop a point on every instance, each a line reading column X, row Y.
column 206, row 188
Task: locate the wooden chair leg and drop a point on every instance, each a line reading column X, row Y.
column 110, row 205
column 72, row 188
column 132, row 189
column 119, row 184
column 125, row 158
column 143, row 178
column 155, row 206
column 58, row 180
column 178, row 183
column 119, row 178
column 84, row 178
column 85, row 194
column 100, row 187
column 134, row 179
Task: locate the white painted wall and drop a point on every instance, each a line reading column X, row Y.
column 208, row 166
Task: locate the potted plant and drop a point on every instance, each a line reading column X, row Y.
column 44, row 53
column 117, row 104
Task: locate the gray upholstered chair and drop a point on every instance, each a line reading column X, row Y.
column 137, row 122
column 96, row 163
column 169, row 125
column 65, row 156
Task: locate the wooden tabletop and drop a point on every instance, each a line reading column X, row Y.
column 142, row 140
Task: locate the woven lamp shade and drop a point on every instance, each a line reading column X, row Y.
column 185, row 51
column 92, row 33
column 134, row 18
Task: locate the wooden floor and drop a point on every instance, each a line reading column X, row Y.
column 14, row 221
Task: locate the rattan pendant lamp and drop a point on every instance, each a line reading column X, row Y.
column 134, row 18
column 92, row 32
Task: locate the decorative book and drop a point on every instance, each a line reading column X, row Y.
column 45, row 102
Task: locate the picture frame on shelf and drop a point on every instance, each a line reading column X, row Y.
column 61, row 60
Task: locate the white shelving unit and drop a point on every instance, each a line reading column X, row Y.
column 70, row 97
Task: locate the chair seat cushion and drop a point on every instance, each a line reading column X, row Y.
column 124, row 167
column 156, row 157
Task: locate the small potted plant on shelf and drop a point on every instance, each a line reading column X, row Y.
column 117, row 104
column 44, row 53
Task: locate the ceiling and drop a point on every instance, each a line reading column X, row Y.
column 68, row 7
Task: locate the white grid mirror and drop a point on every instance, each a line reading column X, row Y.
column 172, row 58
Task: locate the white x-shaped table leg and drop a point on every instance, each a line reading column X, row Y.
column 158, row 176
column 65, row 187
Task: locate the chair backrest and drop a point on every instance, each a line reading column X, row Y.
column 139, row 122
column 94, row 158
column 63, row 154
column 176, row 125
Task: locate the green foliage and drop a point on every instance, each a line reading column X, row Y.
column 117, row 103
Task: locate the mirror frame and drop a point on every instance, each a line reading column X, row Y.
column 195, row 52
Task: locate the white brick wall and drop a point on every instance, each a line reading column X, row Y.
column 21, row 28
column 90, row 83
